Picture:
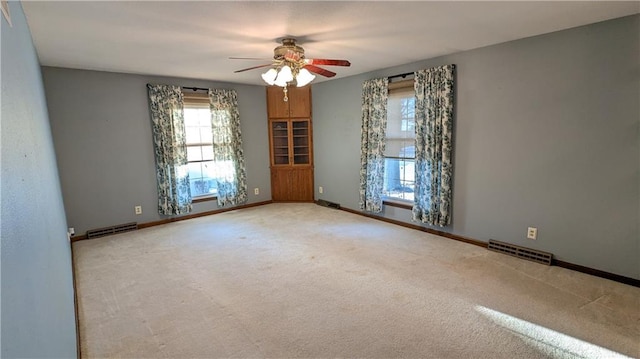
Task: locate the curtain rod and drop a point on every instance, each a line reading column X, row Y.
column 401, row 75
column 195, row 88
column 190, row 88
column 410, row 73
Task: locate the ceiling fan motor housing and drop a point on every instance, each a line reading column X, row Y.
column 288, row 47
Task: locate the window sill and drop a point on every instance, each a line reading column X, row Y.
column 204, row 199
column 398, row 203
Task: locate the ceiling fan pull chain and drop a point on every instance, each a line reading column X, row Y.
column 284, row 89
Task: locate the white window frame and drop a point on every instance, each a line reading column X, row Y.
column 199, row 101
column 407, row 124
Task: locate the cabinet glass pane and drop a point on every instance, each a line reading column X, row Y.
column 280, row 142
column 300, row 142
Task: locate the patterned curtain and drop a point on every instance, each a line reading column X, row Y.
column 167, row 113
column 374, row 123
column 228, row 157
column 434, row 125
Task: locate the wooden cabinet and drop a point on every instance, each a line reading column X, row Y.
column 292, row 185
column 291, row 146
column 290, row 142
column 298, row 104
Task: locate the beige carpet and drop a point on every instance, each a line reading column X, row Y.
column 300, row 280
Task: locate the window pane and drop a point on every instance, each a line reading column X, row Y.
column 192, row 135
column 400, row 131
column 208, row 170
column 191, row 117
column 200, row 179
column 400, row 148
column 203, row 175
column 399, row 178
column 407, row 113
column 408, row 151
column 195, row 171
column 205, row 135
column 198, row 131
column 202, row 187
column 203, row 116
column 194, row 153
column 207, row 153
column 209, row 186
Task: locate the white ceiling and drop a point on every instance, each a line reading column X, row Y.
column 195, row 39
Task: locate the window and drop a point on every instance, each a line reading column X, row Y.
column 199, row 138
column 399, row 171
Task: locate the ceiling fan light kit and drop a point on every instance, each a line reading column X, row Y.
column 304, row 77
column 284, row 76
column 270, row 76
column 290, row 65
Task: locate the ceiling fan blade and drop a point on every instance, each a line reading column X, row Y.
column 252, row 68
column 328, row 62
column 320, row 71
column 250, row 58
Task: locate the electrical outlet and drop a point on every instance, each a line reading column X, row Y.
column 320, row 189
column 138, row 209
column 256, row 191
column 532, row 233
column 71, row 231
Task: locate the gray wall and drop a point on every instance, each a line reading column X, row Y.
column 546, row 135
column 38, row 317
column 102, row 134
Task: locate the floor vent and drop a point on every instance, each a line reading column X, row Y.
column 521, row 252
column 99, row 232
column 324, row 203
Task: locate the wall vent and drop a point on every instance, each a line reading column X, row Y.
column 100, row 232
column 520, row 252
column 324, row 203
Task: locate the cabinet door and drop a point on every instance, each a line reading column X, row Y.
column 280, row 150
column 301, row 142
column 280, row 184
column 301, row 180
column 292, row 184
column 300, row 101
column 298, row 104
column 277, row 107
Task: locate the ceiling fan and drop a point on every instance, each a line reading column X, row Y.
column 290, row 65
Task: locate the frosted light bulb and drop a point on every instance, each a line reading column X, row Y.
column 304, row 77
column 270, row 76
